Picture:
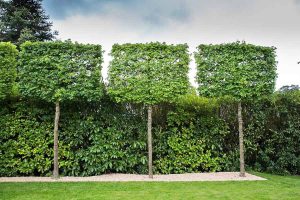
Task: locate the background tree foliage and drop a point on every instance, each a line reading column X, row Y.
column 150, row 74
column 59, row 72
column 8, row 72
column 24, row 20
column 287, row 88
column 239, row 70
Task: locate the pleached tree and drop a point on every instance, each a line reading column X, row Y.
column 58, row 71
column 150, row 74
column 240, row 70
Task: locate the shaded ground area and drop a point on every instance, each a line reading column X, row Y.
column 275, row 187
column 218, row 176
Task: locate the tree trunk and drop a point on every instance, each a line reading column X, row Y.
column 55, row 148
column 150, row 142
column 241, row 140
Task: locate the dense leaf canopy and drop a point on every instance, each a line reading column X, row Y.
column 240, row 70
column 58, row 71
column 8, row 55
column 148, row 73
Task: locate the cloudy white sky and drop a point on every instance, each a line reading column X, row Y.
column 262, row 22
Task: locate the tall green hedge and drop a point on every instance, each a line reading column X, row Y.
column 193, row 140
column 273, row 133
column 107, row 137
column 8, row 62
column 94, row 139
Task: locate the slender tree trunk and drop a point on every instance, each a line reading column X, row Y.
column 150, row 142
column 55, row 148
column 241, row 140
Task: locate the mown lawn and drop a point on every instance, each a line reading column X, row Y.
column 276, row 187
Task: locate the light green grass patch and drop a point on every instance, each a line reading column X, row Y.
column 276, row 187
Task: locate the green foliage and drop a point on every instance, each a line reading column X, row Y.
column 196, row 103
column 105, row 137
column 60, row 71
column 243, row 71
column 99, row 138
column 27, row 140
column 273, row 134
column 287, row 88
column 26, row 35
column 193, row 140
column 191, row 134
column 8, row 55
column 148, row 73
column 22, row 20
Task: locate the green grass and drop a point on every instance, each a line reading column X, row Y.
column 276, row 187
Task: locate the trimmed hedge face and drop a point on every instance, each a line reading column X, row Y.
column 148, row 73
column 98, row 138
column 273, row 134
column 94, row 139
column 8, row 62
column 243, row 71
column 60, row 71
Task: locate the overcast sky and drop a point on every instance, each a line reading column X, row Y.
column 262, row 22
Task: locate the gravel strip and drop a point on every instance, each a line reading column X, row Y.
column 217, row 176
